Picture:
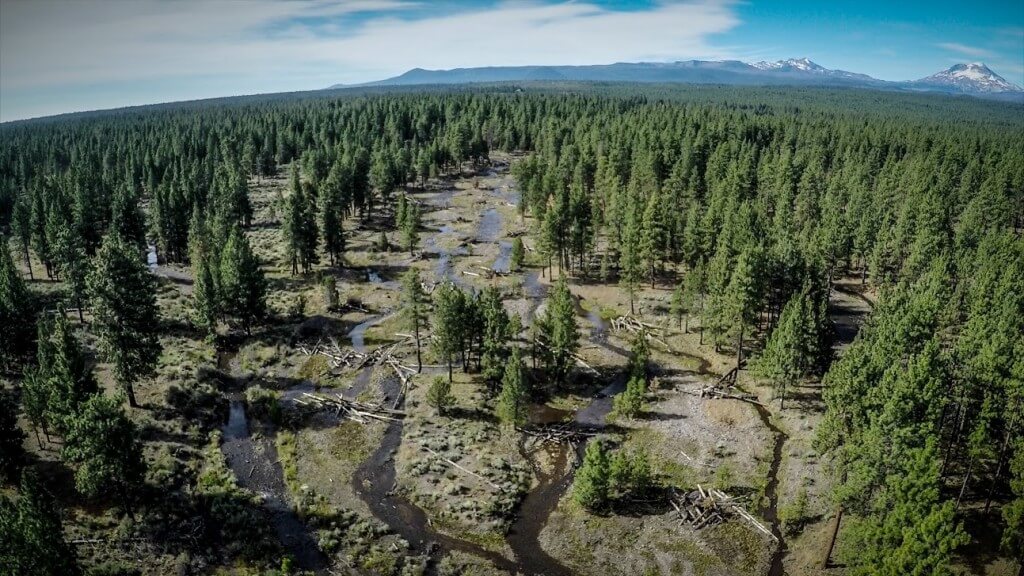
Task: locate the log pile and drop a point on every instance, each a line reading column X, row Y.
column 725, row 387
column 352, row 409
column 702, row 508
column 564, row 433
column 632, row 325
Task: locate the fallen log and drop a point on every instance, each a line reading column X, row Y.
column 457, row 466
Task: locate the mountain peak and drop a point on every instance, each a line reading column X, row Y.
column 805, row 64
column 970, row 77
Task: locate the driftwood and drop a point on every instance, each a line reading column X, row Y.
column 701, row 508
column 458, row 467
column 564, row 432
column 650, row 331
column 353, row 409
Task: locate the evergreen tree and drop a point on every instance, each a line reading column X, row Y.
column 676, row 310
column 73, row 265
column 103, row 446
column 125, row 311
column 512, row 403
column 516, row 260
column 559, row 333
column 17, row 312
column 447, row 324
column 639, row 357
column 12, row 453
column 242, row 285
column 495, row 335
column 300, row 230
column 694, row 290
column 591, row 486
column 630, row 260
column 414, row 307
column 439, row 395
column 32, row 535
column 787, row 354
column 64, row 376
column 630, row 402
column 332, row 218
column 740, row 299
column 410, row 228
column 21, row 226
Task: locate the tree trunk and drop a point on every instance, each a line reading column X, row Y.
column 739, row 347
column 127, row 501
column 419, row 359
column 1000, row 462
column 81, row 317
column 832, row 540
column 130, row 390
column 963, row 487
column 28, row 264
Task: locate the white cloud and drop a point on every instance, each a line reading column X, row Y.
column 972, row 51
column 269, row 45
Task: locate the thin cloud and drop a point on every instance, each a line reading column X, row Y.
column 972, row 51
column 47, row 45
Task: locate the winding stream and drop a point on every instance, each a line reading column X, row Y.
column 256, row 468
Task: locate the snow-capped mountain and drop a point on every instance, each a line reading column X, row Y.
column 804, row 64
column 962, row 79
column 973, row 77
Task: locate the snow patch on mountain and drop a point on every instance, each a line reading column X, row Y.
column 973, row 77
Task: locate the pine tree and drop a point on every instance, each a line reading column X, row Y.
column 410, row 228
column 414, row 307
column 17, row 312
column 67, row 380
column 787, row 356
column 103, row 446
column 31, row 533
column 12, row 453
column 740, row 298
column 559, row 332
column 73, row 265
column 676, row 310
column 629, row 259
column 630, row 402
column 127, row 319
column 495, row 335
column 439, row 395
column 447, row 323
column 694, row 290
column 590, row 488
column 516, row 260
column 512, row 403
column 301, row 234
column 652, row 235
column 21, row 225
column 242, row 285
column 331, row 219
column 639, row 357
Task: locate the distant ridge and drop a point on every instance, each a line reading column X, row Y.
column 970, row 79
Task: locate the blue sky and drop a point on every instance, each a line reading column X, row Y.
column 69, row 55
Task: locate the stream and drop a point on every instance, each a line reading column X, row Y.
column 256, row 468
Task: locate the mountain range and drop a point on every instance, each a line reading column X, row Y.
column 974, row 79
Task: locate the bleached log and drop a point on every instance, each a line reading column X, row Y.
column 466, row 470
